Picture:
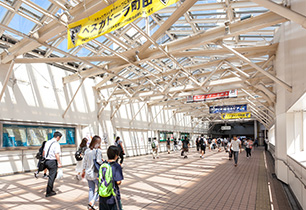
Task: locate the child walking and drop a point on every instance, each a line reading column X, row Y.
column 112, row 202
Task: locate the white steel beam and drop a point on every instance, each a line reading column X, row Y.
column 211, row 74
column 103, row 106
column 80, row 85
column 255, row 66
column 168, row 23
column 283, row 11
column 137, row 113
column 240, row 27
column 7, row 78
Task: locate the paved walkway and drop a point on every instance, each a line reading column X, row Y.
column 169, row 182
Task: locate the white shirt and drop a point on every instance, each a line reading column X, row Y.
column 55, row 149
column 235, row 145
column 88, row 163
column 156, row 143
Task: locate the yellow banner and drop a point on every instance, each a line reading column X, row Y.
column 113, row 17
column 236, row 115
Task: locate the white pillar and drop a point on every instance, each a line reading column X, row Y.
column 255, row 130
column 283, row 123
column 298, row 131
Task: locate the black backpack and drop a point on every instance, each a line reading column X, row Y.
column 78, row 155
column 209, row 141
column 202, row 142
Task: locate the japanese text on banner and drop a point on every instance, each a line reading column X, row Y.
column 113, row 17
column 236, row 115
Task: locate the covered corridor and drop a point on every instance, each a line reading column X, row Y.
column 155, row 69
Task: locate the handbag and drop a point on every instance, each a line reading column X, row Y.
column 38, row 155
column 78, row 154
column 42, row 161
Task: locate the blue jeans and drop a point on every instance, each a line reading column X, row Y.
column 236, row 157
column 93, row 194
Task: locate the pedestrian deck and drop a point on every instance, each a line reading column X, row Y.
column 169, row 182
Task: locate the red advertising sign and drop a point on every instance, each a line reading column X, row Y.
column 213, row 96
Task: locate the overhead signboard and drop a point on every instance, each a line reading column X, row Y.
column 228, row 109
column 113, row 17
column 212, row 96
column 236, row 115
column 226, row 128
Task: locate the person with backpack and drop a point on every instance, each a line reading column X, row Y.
column 185, row 147
column 154, row 145
column 118, row 143
column 79, row 157
column 90, row 170
column 110, row 177
column 225, row 142
column 202, row 144
column 219, row 144
column 209, row 144
column 214, row 144
column 198, row 143
column 175, row 146
column 168, row 145
column 39, row 156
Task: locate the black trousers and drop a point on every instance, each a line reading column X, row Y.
column 248, row 152
column 203, row 148
column 51, row 165
column 121, row 158
column 104, row 206
column 230, row 154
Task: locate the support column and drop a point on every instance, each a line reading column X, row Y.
column 298, row 131
column 255, row 130
column 283, row 143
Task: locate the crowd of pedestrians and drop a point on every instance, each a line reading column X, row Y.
column 104, row 176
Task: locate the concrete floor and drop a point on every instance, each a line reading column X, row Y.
column 169, row 182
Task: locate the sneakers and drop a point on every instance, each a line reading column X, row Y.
column 36, row 175
column 45, row 176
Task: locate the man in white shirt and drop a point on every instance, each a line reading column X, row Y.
column 52, row 153
column 235, row 146
column 155, row 148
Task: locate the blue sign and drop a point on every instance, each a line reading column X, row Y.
column 227, row 109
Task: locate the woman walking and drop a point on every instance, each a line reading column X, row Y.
column 118, row 143
column 248, row 148
column 79, row 166
column 92, row 154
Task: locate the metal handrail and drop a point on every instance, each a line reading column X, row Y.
column 291, row 169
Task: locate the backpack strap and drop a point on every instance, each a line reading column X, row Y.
column 114, row 187
column 49, row 149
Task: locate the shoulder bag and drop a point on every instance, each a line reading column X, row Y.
column 42, row 160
